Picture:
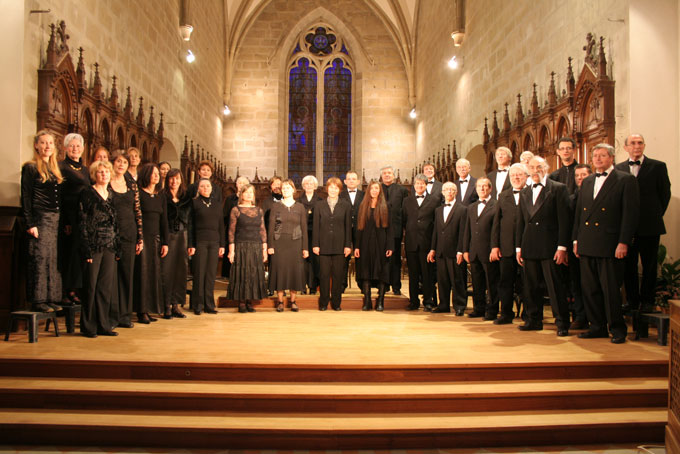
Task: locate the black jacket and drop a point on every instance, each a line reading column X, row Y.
column 332, row 232
column 477, row 239
column 494, row 190
column 504, row 224
column 395, row 195
column 447, row 236
column 470, row 195
column 419, row 222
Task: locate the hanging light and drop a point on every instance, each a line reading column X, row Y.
column 226, row 110
column 412, row 114
column 453, row 63
column 190, row 56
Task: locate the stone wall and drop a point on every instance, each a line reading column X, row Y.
column 508, row 47
column 255, row 134
column 139, row 43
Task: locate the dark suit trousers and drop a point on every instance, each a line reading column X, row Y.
column 577, row 307
column 312, row 271
column 646, row 248
column 395, row 266
column 205, row 268
column 485, row 276
column 446, row 279
column 537, row 271
column 331, row 269
column 460, row 293
column 419, row 271
column 508, row 285
column 99, row 279
column 602, row 279
column 121, row 305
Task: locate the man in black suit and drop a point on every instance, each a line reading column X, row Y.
column 418, row 220
column 466, row 194
column 543, row 235
column 434, row 187
column 655, row 193
column 477, row 251
column 394, row 195
column 354, row 196
column 607, row 215
column 499, row 177
column 566, row 147
column 503, row 243
column 230, row 202
column 447, row 246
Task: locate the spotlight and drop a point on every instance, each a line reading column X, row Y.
column 226, row 110
column 412, row 114
column 190, row 56
column 453, row 63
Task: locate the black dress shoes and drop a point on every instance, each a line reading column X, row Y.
column 176, row 313
column 197, row 312
column 489, row 317
column 528, row 326
column 593, row 335
column 618, row 339
column 475, row 314
column 242, row 308
column 167, row 316
column 503, row 320
column 337, row 308
column 143, row 319
column 427, row 308
column 413, row 307
column 579, row 324
column 249, row 307
column 379, row 306
column 323, row 308
column 152, row 319
column 90, row 335
column 441, row 310
column 211, row 311
column 460, row 312
column 107, row 333
column 126, row 325
column 562, row 332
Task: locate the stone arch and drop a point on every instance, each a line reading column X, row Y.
column 477, row 158
column 169, row 153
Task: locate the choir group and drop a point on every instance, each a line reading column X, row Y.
column 117, row 237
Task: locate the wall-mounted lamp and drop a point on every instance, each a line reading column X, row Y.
column 413, row 114
column 453, row 63
column 190, row 56
column 226, row 110
column 185, row 31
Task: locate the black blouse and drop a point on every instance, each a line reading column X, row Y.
column 76, row 178
column 246, row 225
column 154, row 218
column 178, row 212
column 38, row 197
column 128, row 212
column 206, row 222
column 98, row 223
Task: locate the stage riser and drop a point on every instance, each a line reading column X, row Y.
column 311, row 373
column 25, row 434
column 55, row 399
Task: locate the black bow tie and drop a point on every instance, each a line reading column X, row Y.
column 603, row 174
column 504, row 170
column 352, row 192
column 463, row 181
column 448, row 204
column 430, row 182
column 420, row 196
column 483, row 201
column 634, row 163
column 515, row 191
column 537, row 185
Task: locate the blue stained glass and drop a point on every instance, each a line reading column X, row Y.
column 337, row 132
column 302, row 121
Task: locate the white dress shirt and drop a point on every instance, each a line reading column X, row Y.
column 481, row 205
column 634, row 168
column 536, row 189
column 599, row 181
column 447, row 209
column 352, row 195
column 501, row 176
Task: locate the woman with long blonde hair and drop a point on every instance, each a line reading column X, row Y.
column 40, row 206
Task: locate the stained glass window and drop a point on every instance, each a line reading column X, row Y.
column 337, row 129
column 302, row 121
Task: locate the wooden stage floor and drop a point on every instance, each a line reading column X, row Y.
column 349, row 337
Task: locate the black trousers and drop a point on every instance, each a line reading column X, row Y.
column 555, row 278
column 509, row 284
column 602, row 279
column 577, row 307
column 312, row 271
column 460, row 293
column 121, row 306
column 205, row 268
column 331, row 269
column 446, row 281
column 420, row 271
column 395, row 266
column 99, row 279
column 174, row 270
column 646, row 250
column 485, row 276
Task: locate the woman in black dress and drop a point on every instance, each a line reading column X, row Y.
column 332, row 242
column 308, row 200
column 205, row 172
column 99, row 239
column 374, row 246
column 76, row 178
column 40, row 204
column 247, row 251
column 148, row 291
column 287, row 241
column 174, row 265
column 206, row 241
column 129, row 216
column 134, row 158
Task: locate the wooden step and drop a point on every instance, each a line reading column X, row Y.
column 55, row 393
column 330, row 431
column 143, row 370
column 351, row 301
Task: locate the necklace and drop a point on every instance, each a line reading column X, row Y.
column 207, row 204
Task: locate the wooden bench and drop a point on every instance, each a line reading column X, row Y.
column 32, row 319
column 662, row 322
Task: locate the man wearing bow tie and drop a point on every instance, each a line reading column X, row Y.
column 499, row 177
column 447, row 246
column 503, row 243
column 607, row 215
column 434, row 187
column 543, row 236
column 354, row 196
column 394, row 196
column 466, row 194
column 418, row 218
column 655, row 193
column 477, row 251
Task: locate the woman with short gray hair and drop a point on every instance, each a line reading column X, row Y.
column 308, row 199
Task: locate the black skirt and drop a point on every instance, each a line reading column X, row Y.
column 43, row 280
column 246, row 276
column 287, row 271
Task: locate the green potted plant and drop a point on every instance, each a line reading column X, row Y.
column 668, row 281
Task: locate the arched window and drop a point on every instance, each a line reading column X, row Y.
column 319, row 106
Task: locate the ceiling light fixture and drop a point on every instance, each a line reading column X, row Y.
column 453, row 63
column 226, row 110
column 190, row 56
column 413, row 114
